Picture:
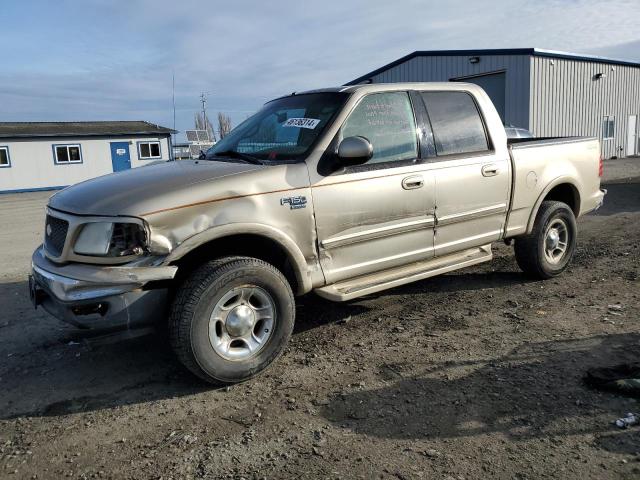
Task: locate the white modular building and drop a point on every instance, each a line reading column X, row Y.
column 52, row 155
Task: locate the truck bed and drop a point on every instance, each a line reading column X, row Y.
column 568, row 164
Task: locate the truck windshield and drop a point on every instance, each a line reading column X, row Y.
column 284, row 129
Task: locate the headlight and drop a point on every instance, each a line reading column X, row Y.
column 94, row 239
column 106, row 239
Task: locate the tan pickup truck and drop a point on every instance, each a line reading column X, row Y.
column 344, row 191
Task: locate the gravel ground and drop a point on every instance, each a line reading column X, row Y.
column 474, row 374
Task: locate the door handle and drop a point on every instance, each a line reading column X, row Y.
column 490, row 170
column 415, row 181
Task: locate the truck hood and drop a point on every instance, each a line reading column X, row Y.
column 139, row 190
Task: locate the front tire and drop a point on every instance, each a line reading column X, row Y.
column 231, row 319
column 547, row 251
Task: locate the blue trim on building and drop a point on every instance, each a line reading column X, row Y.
column 159, row 142
column 74, row 162
column 536, row 52
column 6, row 147
column 37, row 189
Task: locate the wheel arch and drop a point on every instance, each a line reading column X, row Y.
column 255, row 240
column 562, row 189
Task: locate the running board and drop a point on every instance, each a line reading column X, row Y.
column 393, row 277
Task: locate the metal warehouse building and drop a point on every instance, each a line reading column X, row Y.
column 50, row 155
column 550, row 93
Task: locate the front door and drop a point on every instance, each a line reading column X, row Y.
column 379, row 215
column 632, row 136
column 120, row 158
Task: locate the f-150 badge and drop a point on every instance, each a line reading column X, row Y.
column 294, row 202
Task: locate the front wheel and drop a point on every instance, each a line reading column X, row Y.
column 549, row 248
column 231, row 318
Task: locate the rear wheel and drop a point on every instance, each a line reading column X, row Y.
column 549, row 248
column 231, row 318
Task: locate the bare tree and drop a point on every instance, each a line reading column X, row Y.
column 203, row 123
column 224, row 124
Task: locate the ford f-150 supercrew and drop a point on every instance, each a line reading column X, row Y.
column 343, row 191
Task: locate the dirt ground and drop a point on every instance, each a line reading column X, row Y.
column 475, row 374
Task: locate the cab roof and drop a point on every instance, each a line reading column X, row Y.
column 383, row 87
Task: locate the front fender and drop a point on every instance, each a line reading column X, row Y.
column 295, row 256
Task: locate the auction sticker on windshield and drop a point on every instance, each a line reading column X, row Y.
column 309, row 123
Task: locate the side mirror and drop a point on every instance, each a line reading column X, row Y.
column 354, row 151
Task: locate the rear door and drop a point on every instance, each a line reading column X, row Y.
column 472, row 180
column 379, row 215
column 120, row 157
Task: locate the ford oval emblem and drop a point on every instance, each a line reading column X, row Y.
column 48, row 230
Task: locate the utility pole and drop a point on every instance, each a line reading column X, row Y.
column 203, row 100
column 173, row 100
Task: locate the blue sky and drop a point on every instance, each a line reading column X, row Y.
column 113, row 59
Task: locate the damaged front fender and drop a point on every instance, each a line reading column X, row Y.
column 302, row 270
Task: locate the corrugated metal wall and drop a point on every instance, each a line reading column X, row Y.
column 444, row 68
column 567, row 99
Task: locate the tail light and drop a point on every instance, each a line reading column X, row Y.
column 600, row 167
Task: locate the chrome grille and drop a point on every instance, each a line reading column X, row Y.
column 55, row 234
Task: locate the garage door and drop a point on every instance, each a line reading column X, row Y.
column 493, row 84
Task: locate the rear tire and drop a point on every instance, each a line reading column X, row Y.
column 547, row 251
column 231, row 319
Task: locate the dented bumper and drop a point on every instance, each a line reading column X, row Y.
column 100, row 296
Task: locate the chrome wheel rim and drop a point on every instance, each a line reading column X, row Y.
column 241, row 323
column 556, row 240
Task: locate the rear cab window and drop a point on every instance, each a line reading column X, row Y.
column 456, row 123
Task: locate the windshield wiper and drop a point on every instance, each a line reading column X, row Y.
column 242, row 156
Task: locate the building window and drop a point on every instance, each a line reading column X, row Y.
column 147, row 150
column 64, row 154
column 5, row 161
column 608, row 127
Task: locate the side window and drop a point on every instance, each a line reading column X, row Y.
column 65, row 154
column 5, row 161
column 147, row 150
column 386, row 120
column 456, row 122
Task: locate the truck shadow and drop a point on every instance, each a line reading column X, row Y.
column 313, row 311
column 534, row 391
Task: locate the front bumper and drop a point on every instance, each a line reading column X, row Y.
column 95, row 296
